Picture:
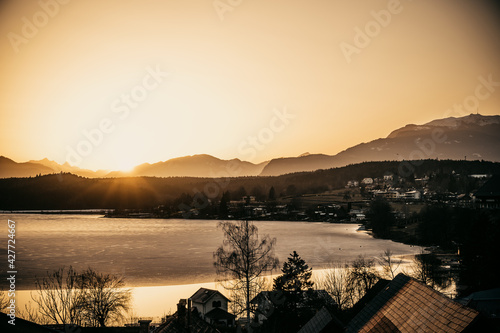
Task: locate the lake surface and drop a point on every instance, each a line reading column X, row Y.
column 168, row 253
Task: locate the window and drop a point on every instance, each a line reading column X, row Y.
column 216, row 304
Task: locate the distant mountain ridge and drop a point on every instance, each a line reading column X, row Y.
column 472, row 137
column 195, row 166
column 187, row 166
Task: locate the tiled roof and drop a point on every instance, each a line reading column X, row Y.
column 176, row 325
column 218, row 314
column 406, row 305
column 317, row 323
column 280, row 296
column 490, row 189
column 487, row 302
column 203, row 295
column 22, row 326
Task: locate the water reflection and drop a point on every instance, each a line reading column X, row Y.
column 165, row 260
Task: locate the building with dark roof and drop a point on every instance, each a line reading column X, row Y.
column 212, row 306
column 323, row 322
column 22, row 326
column 25, row 326
column 406, row 305
column 185, row 320
column 488, row 195
column 487, row 302
column 287, row 311
column 205, row 300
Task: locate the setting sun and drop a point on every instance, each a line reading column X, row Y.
column 161, row 79
column 235, row 166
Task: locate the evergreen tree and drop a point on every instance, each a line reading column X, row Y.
column 296, row 275
column 381, row 217
column 272, row 194
column 224, row 204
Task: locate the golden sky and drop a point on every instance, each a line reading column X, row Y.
column 122, row 82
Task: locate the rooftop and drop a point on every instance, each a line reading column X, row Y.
column 203, row 295
column 406, row 305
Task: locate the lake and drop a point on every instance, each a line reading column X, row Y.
column 165, row 259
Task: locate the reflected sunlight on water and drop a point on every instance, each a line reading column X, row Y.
column 165, row 260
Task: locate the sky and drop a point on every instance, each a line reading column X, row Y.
column 116, row 83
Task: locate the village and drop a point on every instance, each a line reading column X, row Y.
column 400, row 304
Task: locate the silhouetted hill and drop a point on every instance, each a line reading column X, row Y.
column 195, row 166
column 66, row 167
column 474, row 137
column 66, row 191
column 188, row 166
column 9, row 168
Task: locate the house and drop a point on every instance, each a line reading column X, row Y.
column 212, row 306
column 323, row 321
column 390, row 194
column 488, row 195
column 267, row 302
column 352, row 183
column 422, row 181
column 22, row 326
column 357, row 215
column 367, row 181
column 406, row 305
column 25, row 326
column 185, row 320
column 412, row 195
column 487, row 302
column 388, row 177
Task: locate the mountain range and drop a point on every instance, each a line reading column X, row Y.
column 472, row 137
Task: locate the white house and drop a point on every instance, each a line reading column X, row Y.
column 352, row 183
column 412, row 195
column 212, row 306
column 367, row 181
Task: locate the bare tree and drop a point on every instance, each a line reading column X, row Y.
column 335, row 281
column 362, row 276
column 103, row 298
column 31, row 314
column 4, row 300
column 57, row 296
column 389, row 264
column 68, row 297
column 243, row 258
column 237, row 294
column 426, row 267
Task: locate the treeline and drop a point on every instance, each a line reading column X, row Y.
column 472, row 233
column 67, row 191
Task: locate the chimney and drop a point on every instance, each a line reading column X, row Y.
column 144, row 326
column 181, row 308
column 189, row 314
column 181, row 312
